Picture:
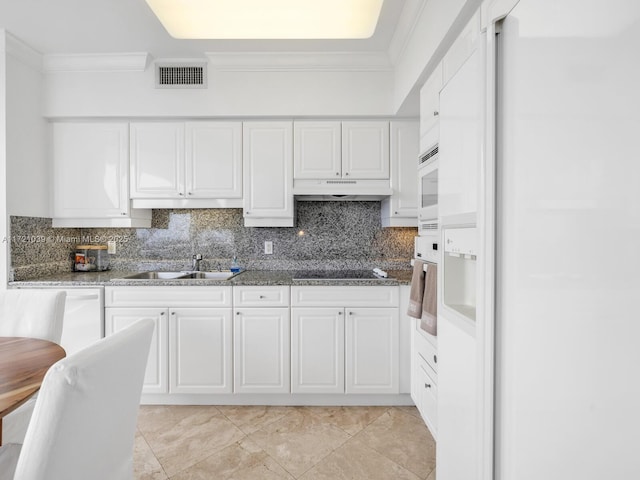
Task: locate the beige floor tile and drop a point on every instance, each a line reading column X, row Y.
column 402, row 438
column 145, row 464
column 243, row 460
column 299, row 440
column 185, row 436
column 411, row 410
column 160, row 418
column 432, row 475
column 252, row 418
column 356, row 461
column 350, row 419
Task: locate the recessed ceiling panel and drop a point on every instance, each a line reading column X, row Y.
column 268, row 19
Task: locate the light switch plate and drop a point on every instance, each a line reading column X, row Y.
column 268, row 247
column 111, row 247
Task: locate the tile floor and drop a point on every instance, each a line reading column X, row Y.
column 274, row 443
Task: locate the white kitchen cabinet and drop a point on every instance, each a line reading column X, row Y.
column 182, row 165
column 267, row 159
column 461, row 139
column 317, row 150
column 157, row 160
column 430, row 109
column 91, row 176
column 365, row 149
column 330, row 150
column 401, row 208
column 317, row 350
column 156, row 377
column 424, row 367
column 463, row 47
column 371, row 338
column 191, row 348
column 261, row 350
column 200, row 359
column 213, row 160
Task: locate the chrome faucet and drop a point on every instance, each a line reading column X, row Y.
column 197, row 258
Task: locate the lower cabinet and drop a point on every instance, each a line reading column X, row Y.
column 424, row 375
column 339, row 345
column 317, row 350
column 261, row 350
column 156, row 378
column 191, row 345
column 200, row 359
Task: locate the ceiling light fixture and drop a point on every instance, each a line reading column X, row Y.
column 268, row 19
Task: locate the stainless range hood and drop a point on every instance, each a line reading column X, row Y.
column 341, row 190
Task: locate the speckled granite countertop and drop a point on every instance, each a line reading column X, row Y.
column 250, row 277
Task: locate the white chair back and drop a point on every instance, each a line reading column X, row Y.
column 84, row 421
column 35, row 313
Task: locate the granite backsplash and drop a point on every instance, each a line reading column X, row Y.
column 328, row 235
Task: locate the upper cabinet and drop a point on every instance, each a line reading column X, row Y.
column 365, row 150
column 268, row 174
column 401, row 208
column 334, row 150
column 317, row 150
column 430, row 109
column 90, row 175
column 193, row 164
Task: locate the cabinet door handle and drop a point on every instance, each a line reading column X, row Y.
column 123, row 213
column 347, row 174
column 161, row 313
column 339, row 313
column 181, row 194
column 435, row 359
column 436, row 113
column 262, row 297
column 427, row 385
column 173, row 313
column 418, row 254
column 190, row 193
column 237, row 313
column 337, row 174
column 350, row 313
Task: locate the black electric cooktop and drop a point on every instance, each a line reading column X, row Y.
column 335, row 275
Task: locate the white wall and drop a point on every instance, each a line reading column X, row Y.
column 436, row 28
column 28, row 192
column 229, row 94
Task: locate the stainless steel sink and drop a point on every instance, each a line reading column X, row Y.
column 185, row 275
column 156, row 276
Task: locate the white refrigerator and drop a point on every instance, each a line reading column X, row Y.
column 567, row 239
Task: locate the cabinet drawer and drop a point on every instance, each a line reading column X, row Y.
column 425, row 345
column 344, row 296
column 428, row 396
column 261, row 296
column 167, row 296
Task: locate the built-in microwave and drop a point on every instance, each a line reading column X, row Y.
column 428, row 184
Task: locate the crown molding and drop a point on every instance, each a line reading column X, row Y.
column 23, row 52
column 98, row 62
column 411, row 13
column 299, row 61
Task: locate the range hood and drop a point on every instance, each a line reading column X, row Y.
column 341, row 190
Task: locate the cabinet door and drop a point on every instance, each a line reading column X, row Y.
column 213, row 155
column 460, row 140
column 404, row 163
column 365, row 150
column 427, row 397
column 91, row 170
column 261, row 348
column 371, row 340
column 317, row 151
column 157, row 160
column 155, row 377
column 317, row 350
column 430, row 107
column 268, row 169
column 200, row 343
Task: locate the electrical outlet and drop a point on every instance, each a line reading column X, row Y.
column 268, row 247
column 111, row 247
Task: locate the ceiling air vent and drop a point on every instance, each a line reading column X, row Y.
column 192, row 75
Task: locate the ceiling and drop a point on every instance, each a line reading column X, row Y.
column 118, row 26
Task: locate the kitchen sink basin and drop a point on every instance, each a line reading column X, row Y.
column 184, row 275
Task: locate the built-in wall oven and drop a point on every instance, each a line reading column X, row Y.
column 428, row 184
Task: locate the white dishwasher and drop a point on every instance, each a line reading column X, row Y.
column 83, row 317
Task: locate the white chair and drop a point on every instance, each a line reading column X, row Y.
column 84, row 422
column 28, row 313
